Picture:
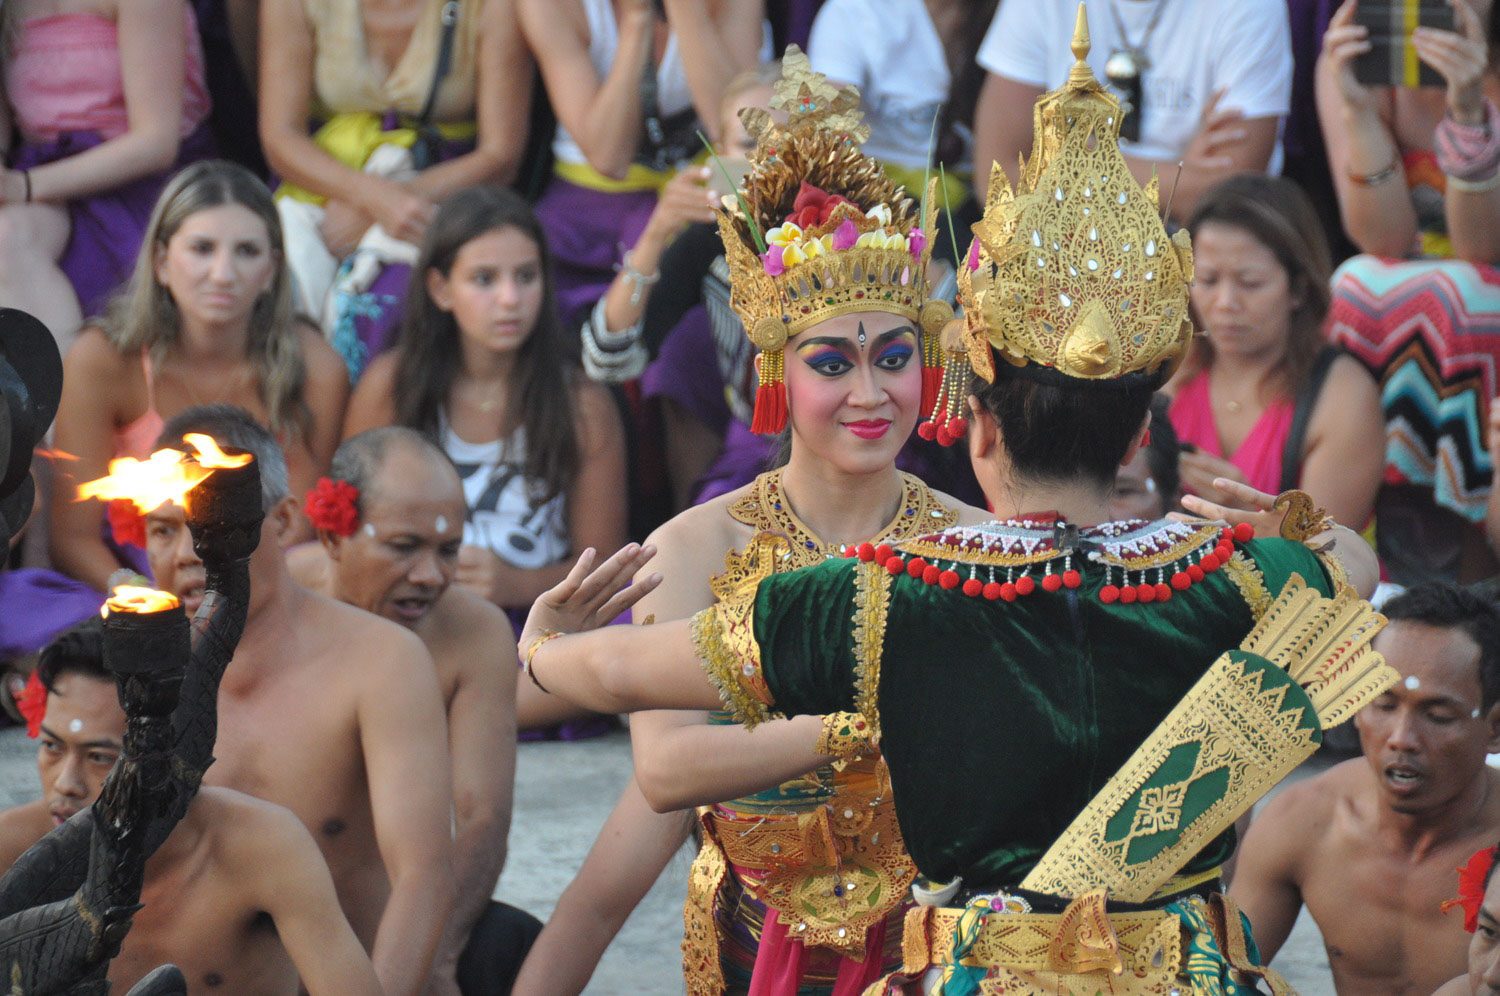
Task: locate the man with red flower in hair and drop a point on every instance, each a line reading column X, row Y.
column 1370, row 845
column 1479, row 896
column 390, row 520
column 238, row 896
column 335, row 715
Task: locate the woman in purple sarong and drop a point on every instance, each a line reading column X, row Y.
column 109, row 100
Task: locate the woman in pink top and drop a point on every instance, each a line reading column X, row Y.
column 1260, row 296
column 108, row 99
column 206, row 319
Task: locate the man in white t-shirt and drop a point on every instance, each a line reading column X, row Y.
column 1215, row 79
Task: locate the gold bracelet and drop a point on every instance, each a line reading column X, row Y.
column 846, row 735
column 536, row 644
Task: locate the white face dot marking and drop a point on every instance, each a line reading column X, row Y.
column 1412, row 683
column 441, row 525
column 1474, row 714
column 75, row 725
column 370, row 530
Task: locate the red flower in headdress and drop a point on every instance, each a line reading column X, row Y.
column 126, row 523
column 333, row 506
column 813, row 206
column 32, row 705
column 1471, row 881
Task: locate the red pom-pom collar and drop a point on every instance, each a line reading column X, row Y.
column 333, row 506
column 32, row 705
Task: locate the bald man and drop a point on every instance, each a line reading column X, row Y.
column 398, row 562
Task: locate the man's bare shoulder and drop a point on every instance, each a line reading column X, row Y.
column 1302, row 813
column 471, row 627
column 241, row 826
column 20, row 827
column 308, row 564
column 356, row 631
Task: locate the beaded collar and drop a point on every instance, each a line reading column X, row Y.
column 1011, row 559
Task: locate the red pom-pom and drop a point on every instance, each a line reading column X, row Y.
column 1008, row 591
column 895, row 565
column 1163, row 592
column 332, row 506
column 32, row 705
column 973, row 587
column 927, row 430
column 866, row 552
column 883, row 552
column 1244, row 532
column 1109, row 594
column 1051, row 582
column 992, row 590
column 1195, row 573
column 957, row 426
column 1127, row 594
column 948, row 579
column 1224, row 551
column 930, row 574
column 1024, row 584
column 944, row 437
column 1145, row 592
column 915, row 566
column 1181, row 581
column 849, row 551
column 1209, row 563
column 126, row 523
column 1072, row 579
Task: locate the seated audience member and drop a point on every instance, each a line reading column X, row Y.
column 1150, row 486
column 1207, row 84
column 108, row 99
column 333, row 713
column 622, row 135
column 1479, row 897
column 1262, row 399
column 1369, row 846
column 1416, row 176
column 206, row 318
column 937, row 85
column 390, row 518
column 481, row 369
column 237, row 896
column 414, row 100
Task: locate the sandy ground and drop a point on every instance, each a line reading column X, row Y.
column 563, row 793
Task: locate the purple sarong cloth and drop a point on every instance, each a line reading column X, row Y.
column 36, row 604
column 107, row 227
column 686, row 371
column 587, row 232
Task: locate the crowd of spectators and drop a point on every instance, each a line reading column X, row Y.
column 491, row 222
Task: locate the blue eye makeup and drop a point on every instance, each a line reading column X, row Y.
column 895, row 356
column 828, row 362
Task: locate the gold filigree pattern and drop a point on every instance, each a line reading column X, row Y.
column 846, row 736
column 1247, row 577
column 1301, row 519
column 872, row 599
column 701, row 969
column 724, row 640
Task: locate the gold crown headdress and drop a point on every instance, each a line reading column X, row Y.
column 1071, row 278
column 818, row 230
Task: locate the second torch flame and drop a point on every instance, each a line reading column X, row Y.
column 133, row 598
column 166, row 476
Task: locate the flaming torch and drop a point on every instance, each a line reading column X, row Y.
column 167, row 672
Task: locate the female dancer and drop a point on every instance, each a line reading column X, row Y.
column 1006, row 673
column 853, row 381
column 206, row 318
column 482, row 372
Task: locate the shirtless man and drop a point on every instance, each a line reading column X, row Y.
column 238, row 896
column 399, row 563
column 335, row 715
column 1370, row 845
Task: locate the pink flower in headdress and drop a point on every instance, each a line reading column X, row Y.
column 845, row 235
column 973, row 262
column 916, row 242
column 813, row 206
column 772, row 261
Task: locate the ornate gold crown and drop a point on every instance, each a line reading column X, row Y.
column 818, row 230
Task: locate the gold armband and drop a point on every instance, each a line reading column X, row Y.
column 847, row 736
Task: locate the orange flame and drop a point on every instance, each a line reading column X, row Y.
column 209, row 454
column 134, row 598
column 165, row 476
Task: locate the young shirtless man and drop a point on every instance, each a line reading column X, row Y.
column 399, row 563
column 1370, row 845
column 335, row 715
column 238, row 896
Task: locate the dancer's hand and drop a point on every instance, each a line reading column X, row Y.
column 1242, row 504
column 590, row 597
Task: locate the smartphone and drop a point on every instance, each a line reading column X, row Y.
column 736, row 166
column 1391, row 60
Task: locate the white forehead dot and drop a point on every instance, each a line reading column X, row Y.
column 75, row 725
column 370, row 529
column 1412, row 682
column 441, row 525
column 1474, row 715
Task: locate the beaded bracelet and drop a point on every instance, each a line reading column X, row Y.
column 536, row 644
column 1376, row 178
column 639, row 281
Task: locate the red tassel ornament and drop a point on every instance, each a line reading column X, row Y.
column 770, row 397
